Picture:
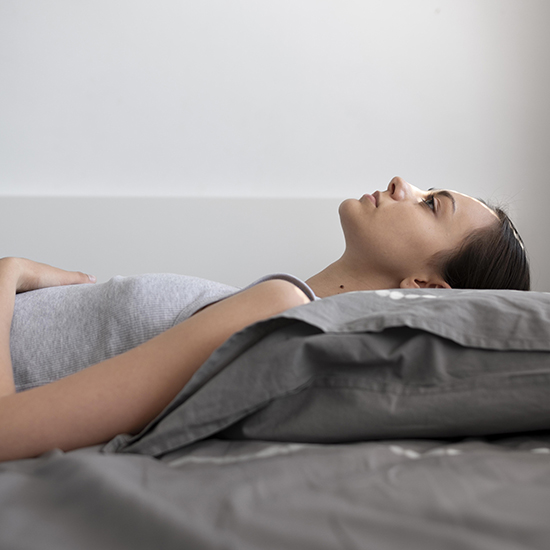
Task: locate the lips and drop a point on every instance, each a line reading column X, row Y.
column 372, row 198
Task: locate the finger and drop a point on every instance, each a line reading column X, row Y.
column 83, row 278
column 75, row 278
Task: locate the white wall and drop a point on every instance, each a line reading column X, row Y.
column 278, row 98
column 232, row 240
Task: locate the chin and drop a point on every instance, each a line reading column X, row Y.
column 346, row 205
column 352, row 217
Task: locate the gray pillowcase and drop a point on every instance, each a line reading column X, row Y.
column 370, row 365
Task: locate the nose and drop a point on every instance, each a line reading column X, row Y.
column 399, row 189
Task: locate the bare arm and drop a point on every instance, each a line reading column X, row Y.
column 124, row 393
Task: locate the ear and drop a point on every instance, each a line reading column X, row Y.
column 423, row 282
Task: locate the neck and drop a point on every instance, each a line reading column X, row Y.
column 338, row 278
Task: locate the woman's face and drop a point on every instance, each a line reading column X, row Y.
column 398, row 231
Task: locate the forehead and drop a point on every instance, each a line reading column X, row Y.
column 472, row 212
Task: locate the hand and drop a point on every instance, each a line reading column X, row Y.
column 29, row 275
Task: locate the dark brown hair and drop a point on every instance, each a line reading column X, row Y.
column 492, row 257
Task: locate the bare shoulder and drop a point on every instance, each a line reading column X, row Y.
column 261, row 300
column 284, row 292
column 264, row 299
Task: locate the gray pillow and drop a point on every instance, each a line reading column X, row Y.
column 370, row 365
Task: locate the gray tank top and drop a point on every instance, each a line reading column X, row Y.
column 58, row 331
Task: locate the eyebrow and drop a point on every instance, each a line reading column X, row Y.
column 444, row 193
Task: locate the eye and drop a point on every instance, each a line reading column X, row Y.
column 430, row 202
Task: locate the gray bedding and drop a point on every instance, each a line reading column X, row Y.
column 217, row 494
column 412, row 419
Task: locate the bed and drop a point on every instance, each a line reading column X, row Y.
column 388, row 420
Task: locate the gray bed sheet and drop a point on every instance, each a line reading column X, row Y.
column 473, row 493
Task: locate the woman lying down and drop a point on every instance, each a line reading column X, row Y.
column 403, row 237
